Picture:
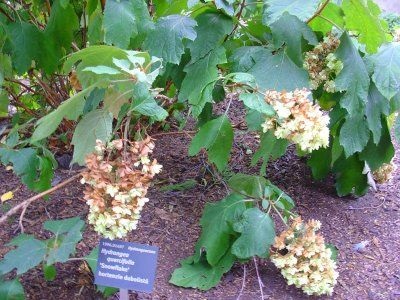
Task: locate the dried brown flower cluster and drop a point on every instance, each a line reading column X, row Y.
column 117, row 180
column 384, row 173
column 304, row 259
column 297, row 119
column 322, row 65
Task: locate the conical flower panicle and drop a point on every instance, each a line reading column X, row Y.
column 117, row 179
column 304, row 259
column 322, row 64
column 297, row 119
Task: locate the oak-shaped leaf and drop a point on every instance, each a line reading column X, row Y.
column 257, row 234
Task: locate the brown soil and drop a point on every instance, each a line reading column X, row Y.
column 171, row 222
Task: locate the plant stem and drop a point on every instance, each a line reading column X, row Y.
column 318, row 12
column 238, row 16
column 173, row 133
column 6, row 14
column 28, row 201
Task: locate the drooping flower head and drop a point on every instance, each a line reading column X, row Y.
column 385, row 172
column 304, row 259
column 117, row 179
column 297, row 119
column 322, row 64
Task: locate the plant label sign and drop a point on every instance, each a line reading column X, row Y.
column 128, row 266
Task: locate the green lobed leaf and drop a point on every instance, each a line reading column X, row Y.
column 249, row 185
column 11, row 290
column 101, row 55
column 331, row 12
column 201, row 275
column 320, row 162
column 96, row 125
column 226, row 6
column 93, row 100
column 377, row 154
column 144, row 103
column 28, row 254
column 354, row 134
column 35, row 171
column 281, row 199
column 217, row 137
column 349, row 176
column 58, row 35
column 166, row 40
column 386, row 67
column 377, row 106
column 63, row 245
column 256, row 101
column 70, row 109
column 212, row 27
column 353, row 79
column 216, row 234
column 274, row 9
column 270, row 148
column 270, row 70
column 254, row 120
column 257, row 234
column 95, row 33
column 362, row 16
column 62, row 226
column 25, row 45
column 123, row 20
column 102, row 70
column 290, row 31
column 198, row 84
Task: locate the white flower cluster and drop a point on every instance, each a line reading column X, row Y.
column 304, row 259
column 384, row 173
column 117, row 181
column 322, row 64
column 297, row 119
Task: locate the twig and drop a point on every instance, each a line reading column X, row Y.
column 23, row 205
column 243, row 283
column 173, row 133
column 318, row 12
column 260, row 283
column 27, row 87
column 6, row 14
column 238, row 16
column 21, row 104
column 368, row 207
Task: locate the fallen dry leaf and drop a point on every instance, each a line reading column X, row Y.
column 7, row 196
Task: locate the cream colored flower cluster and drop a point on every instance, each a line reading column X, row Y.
column 322, row 65
column 384, row 173
column 297, row 119
column 117, row 179
column 304, row 259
